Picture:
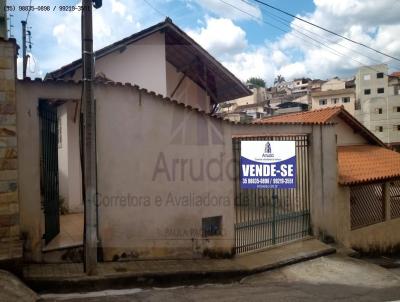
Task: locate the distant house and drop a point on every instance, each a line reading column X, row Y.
column 289, row 107
column 365, row 213
column 334, row 92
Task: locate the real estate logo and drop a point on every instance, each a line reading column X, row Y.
column 268, row 165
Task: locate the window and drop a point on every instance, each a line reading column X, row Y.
column 379, row 128
column 380, row 90
column 396, row 127
column 323, row 102
column 378, row 110
column 396, row 109
column 379, row 75
column 335, row 100
column 367, row 91
column 346, row 100
column 367, row 77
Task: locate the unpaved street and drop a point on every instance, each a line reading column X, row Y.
column 324, row 279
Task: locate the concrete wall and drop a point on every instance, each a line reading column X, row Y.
column 27, row 97
column 381, row 237
column 161, row 169
column 10, row 244
column 63, row 188
column 153, row 170
column 324, row 180
column 69, row 162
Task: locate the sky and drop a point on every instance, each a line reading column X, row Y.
column 249, row 39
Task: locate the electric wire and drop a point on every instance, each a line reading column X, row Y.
column 332, row 50
column 325, row 29
column 289, row 24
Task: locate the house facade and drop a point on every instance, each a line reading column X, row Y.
column 334, row 93
column 365, row 213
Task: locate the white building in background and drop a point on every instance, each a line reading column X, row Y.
column 335, row 92
column 378, row 102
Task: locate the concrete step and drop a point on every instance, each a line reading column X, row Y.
column 64, row 254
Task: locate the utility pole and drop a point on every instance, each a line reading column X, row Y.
column 89, row 142
column 24, row 57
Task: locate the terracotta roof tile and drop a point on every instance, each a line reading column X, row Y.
column 313, row 117
column 367, row 163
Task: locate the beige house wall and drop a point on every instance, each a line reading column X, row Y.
column 142, row 63
column 188, row 91
column 333, row 84
column 149, row 156
column 350, row 106
column 346, row 136
column 69, row 163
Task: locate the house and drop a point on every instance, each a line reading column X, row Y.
column 289, row 107
column 365, row 213
column 245, row 108
column 377, row 105
column 164, row 59
column 166, row 170
column 334, row 92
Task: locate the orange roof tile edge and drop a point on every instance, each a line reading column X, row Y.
column 318, row 116
column 367, row 163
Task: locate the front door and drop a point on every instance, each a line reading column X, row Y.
column 49, row 168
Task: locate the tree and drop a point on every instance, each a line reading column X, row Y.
column 279, row 79
column 258, row 82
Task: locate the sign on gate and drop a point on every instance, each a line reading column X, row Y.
column 268, row 165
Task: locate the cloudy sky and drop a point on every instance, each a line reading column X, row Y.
column 249, row 39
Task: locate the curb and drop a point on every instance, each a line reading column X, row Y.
column 159, row 279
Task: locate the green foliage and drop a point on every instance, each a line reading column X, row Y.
column 259, row 82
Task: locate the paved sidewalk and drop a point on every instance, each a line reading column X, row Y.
column 64, row 277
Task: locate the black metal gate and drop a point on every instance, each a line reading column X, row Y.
column 265, row 217
column 49, row 168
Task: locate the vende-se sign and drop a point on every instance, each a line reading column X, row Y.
column 268, row 165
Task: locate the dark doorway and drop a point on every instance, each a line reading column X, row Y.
column 49, row 168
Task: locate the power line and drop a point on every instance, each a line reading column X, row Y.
column 29, row 10
column 155, row 9
column 332, row 50
column 327, row 30
column 289, row 24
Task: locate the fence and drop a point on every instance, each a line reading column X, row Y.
column 368, row 206
column 268, row 217
column 394, row 199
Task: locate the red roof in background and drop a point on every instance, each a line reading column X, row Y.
column 396, row 74
column 313, row 117
column 323, row 116
column 367, row 163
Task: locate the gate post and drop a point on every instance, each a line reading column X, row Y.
column 10, row 243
